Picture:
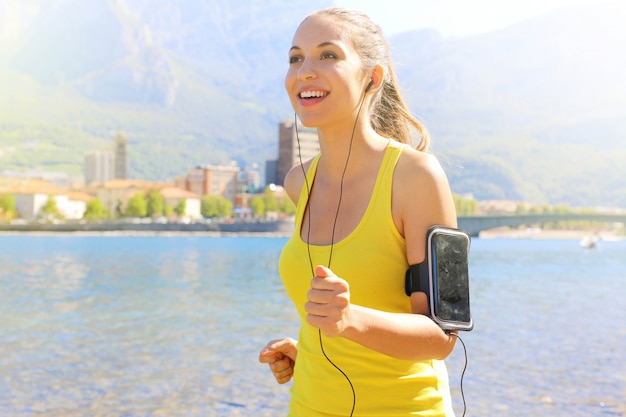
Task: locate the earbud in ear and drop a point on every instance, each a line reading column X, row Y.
column 369, row 85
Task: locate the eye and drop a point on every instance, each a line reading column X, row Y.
column 294, row 58
column 328, row 55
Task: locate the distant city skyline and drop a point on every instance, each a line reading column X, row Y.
column 535, row 111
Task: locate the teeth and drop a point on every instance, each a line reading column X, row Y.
column 310, row 94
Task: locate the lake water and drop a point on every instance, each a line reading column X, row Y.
column 172, row 326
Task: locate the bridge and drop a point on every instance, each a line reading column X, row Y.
column 476, row 224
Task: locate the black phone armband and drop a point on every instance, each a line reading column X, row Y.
column 444, row 277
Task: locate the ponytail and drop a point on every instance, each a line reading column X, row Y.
column 390, row 116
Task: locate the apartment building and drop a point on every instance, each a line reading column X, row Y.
column 212, row 180
column 103, row 165
column 294, row 143
column 99, row 166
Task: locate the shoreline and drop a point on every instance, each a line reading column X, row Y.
column 138, row 233
column 272, row 230
column 539, row 234
column 279, row 227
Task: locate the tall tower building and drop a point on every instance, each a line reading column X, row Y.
column 289, row 152
column 121, row 162
column 99, row 166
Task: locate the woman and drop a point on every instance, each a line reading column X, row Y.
column 365, row 204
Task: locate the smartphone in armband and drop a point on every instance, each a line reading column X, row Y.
column 444, row 277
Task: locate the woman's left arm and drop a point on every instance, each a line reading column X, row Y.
column 421, row 199
column 400, row 335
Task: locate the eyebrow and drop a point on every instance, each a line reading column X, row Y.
column 321, row 45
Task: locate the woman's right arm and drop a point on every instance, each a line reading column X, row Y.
column 281, row 356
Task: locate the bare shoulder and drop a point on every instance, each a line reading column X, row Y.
column 416, row 168
column 294, row 180
column 421, row 198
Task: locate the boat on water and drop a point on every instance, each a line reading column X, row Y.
column 589, row 242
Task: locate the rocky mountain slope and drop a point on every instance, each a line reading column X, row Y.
column 536, row 111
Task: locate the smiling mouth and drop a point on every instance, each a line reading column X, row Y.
column 312, row 94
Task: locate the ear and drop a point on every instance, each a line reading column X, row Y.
column 376, row 78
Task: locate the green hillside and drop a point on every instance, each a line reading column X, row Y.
column 533, row 112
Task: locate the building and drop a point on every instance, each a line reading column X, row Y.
column 174, row 195
column 106, row 164
column 211, row 180
column 271, row 172
column 249, row 181
column 121, row 161
column 99, row 166
column 32, row 194
column 76, row 205
column 115, row 194
column 294, row 144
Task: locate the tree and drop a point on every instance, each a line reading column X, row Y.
column 464, row 206
column 215, row 206
column 137, row 206
column 208, row 206
column 7, row 202
column 118, row 209
column 49, row 209
column 224, row 207
column 7, row 206
column 269, row 199
column 285, row 205
column 95, row 210
column 257, row 205
column 262, row 204
column 561, row 209
column 181, row 207
column 155, row 204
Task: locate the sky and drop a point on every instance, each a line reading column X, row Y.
column 456, row 17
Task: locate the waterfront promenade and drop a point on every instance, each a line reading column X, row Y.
column 275, row 227
column 474, row 225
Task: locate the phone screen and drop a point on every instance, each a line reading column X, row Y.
column 451, row 281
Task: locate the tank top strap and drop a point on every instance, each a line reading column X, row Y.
column 392, row 155
column 384, row 183
column 304, row 191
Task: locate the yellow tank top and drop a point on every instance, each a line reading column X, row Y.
column 373, row 260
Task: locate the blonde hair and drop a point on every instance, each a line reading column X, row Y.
column 389, row 114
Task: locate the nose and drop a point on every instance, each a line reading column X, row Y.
column 307, row 70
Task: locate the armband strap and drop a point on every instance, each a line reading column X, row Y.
column 416, row 279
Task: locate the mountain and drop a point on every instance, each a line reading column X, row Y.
column 536, row 111
column 190, row 82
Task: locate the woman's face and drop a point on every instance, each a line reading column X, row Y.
column 325, row 80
